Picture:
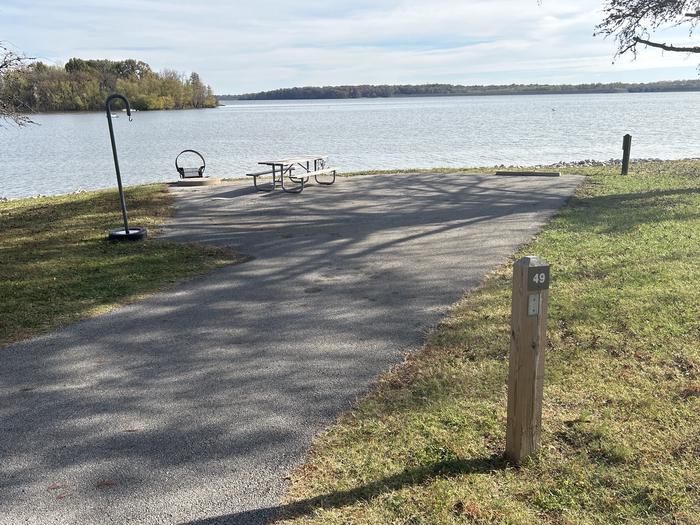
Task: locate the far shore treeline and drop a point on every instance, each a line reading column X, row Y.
column 83, row 85
column 432, row 90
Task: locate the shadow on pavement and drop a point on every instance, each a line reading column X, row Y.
column 417, row 476
column 197, row 401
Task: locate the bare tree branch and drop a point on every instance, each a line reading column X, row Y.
column 668, row 47
column 634, row 22
column 10, row 107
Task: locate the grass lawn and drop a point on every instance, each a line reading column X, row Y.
column 621, row 439
column 57, row 265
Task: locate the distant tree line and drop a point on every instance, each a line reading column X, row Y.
column 368, row 91
column 83, row 85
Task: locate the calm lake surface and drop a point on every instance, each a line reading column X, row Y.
column 70, row 152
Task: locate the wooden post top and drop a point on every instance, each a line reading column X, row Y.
column 532, row 261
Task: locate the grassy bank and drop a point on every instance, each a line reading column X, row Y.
column 57, row 266
column 621, row 440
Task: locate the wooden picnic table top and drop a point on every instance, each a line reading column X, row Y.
column 294, row 160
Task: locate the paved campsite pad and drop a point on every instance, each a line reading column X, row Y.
column 191, row 406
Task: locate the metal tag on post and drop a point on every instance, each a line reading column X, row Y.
column 533, row 304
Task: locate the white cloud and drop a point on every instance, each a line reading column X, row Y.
column 247, row 46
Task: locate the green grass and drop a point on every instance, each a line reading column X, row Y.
column 621, row 417
column 57, row 265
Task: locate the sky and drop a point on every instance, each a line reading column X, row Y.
column 240, row 47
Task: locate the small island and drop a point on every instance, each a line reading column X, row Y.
column 83, row 85
column 438, row 90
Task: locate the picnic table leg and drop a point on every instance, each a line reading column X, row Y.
column 328, row 183
column 259, row 188
column 300, row 178
column 300, row 186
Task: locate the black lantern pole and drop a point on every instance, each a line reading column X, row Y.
column 128, row 234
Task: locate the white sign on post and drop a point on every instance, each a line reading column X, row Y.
column 533, row 304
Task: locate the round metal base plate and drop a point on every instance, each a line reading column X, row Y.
column 135, row 234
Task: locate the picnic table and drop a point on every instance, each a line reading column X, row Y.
column 297, row 169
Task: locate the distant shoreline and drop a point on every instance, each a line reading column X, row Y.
column 118, row 112
column 450, row 90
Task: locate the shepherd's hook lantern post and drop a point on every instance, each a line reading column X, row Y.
column 127, row 233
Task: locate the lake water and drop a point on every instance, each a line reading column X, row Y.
column 70, row 152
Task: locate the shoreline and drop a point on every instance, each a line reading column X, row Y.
column 355, row 91
column 443, row 95
column 102, row 111
column 585, row 163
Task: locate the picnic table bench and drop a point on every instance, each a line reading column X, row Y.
column 297, row 169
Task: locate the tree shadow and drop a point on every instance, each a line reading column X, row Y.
column 218, row 385
column 626, row 211
column 339, row 499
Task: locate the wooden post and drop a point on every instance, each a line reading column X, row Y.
column 626, row 149
column 527, row 344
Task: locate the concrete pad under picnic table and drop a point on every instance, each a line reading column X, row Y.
column 191, row 406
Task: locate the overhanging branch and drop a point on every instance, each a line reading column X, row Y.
column 667, row 47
